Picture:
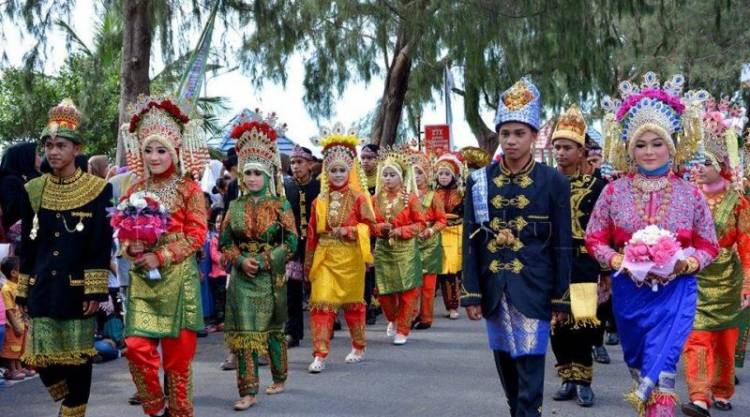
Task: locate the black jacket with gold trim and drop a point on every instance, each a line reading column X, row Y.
column 300, row 196
column 68, row 260
column 534, row 206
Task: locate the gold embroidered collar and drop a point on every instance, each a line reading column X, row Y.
column 68, row 193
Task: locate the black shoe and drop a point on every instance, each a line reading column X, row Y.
column 613, row 339
column 336, row 325
column 371, row 319
column 566, row 392
column 291, row 341
column 601, row 355
column 723, row 405
column 134, row 399
column 736, row 380
column 692, row 410
column 584, row 396
column 202, row 333
column 422, row 326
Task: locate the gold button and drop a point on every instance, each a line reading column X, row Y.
column 57, row 234
column 54, row 273
column 55, row 253
column 57, row 215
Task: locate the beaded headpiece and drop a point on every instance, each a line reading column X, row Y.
column 301, row 153
column 720, row 142
column 454, row 162
column 339, row 147
column 398, row 159
column 661, row 109
column 63, row 120
column 520, row 103
column 159, row 119
column 572, row 126
column 256, row 147
column 475, row 158
column 422, row 161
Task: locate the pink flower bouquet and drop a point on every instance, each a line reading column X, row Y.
column 650, row 256
column 140, row 217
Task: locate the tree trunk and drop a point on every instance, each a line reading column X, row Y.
column 396, row 83
column 486, row 137
column 136, row 59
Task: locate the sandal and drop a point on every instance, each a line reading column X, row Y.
column 244, row 403
column 355, row 356
column 275, row 388
column 317, row 366
column 15, row 376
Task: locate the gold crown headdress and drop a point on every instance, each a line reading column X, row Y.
column 720, row 142
column 63, row 120
column 572, row 126
column 423, row 161
column 662, row 109
column 160, row 119
column 256, row 146
column 397, row 158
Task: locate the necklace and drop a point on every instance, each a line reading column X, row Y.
column 337, row 208
column 642, row 190
column 165, row 190
column 714, row 200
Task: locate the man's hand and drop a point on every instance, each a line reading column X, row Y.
column 90, row 307
column 148, row 261
column 474, row 312
column 250, row 267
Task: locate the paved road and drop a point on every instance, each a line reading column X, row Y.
column 443, row 371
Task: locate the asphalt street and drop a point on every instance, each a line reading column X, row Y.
column 444, row 371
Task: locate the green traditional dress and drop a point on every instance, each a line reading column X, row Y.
column 261, row 227
column 431, row 248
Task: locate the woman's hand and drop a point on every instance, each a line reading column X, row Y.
column 250, row 267
column 385, row 228
column 136, row 248
column 340, row 232
column 426, row 233
column 395, row 233
column 680, row 267
column 745, row 301
column 148, row 261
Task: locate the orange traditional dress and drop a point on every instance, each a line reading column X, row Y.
column 452, row 199
column 166, row 309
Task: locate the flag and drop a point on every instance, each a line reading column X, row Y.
column 190, row 85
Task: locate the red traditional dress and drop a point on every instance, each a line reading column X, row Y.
column 399, row 267
column 431, row 252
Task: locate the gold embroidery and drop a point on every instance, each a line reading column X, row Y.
column 467, row 294
column 578, row 192
column 518, row 223
column 82, row 214
column 58, row 390
column 501, row 180
column 575, row 372
column 77, row 282
column 77, row 411
column 62, row 194
column 523, row 181
column 514, row 266
column 515, row 246
column 150, row 400
column 96, row 281
column 23, row 286
column 519, row 201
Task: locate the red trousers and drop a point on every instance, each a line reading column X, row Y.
column 178, row 353
column 400, row 308
column 321, row 323
column 427, row 296
column 709, row 364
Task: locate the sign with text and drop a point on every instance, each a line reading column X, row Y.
column 437, row 139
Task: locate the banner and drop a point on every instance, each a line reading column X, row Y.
column 437, row 139
column 192, row 80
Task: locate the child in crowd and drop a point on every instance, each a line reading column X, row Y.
column 16, row 325
column 217, row 275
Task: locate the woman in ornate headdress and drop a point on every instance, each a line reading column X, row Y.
column 653, row 128
column 724, row 286
column 429, row 239
column 449, row 173
column 338, row 246
column 399, row 221
column 258, row 237
column 164, row 148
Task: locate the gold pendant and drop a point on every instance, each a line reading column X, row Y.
column 34, row 227
column 79, row 226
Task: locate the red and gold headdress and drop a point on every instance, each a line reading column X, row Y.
column 63, row 120
column 159, row 119
column 256, row 147
column 397, row 158
column 720, row 141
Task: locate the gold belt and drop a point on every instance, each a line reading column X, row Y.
column 255, row 247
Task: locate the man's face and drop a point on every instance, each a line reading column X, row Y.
column 60, row 152
column 369, row 160
column 516, row 140
column 300, row 168
column 595, row 161
column 567, row 153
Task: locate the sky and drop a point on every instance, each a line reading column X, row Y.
column 286, row 101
